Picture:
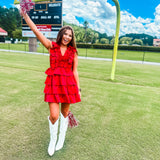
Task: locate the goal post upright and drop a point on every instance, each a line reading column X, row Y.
column 116, row 40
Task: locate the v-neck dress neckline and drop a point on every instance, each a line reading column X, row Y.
column 61, row 51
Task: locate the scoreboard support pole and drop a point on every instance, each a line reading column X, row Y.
column 32, row 44
column 52, row 39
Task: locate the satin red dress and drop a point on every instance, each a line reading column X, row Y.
column 60, row 84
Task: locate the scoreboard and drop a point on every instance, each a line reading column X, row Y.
column 48, row 18
column 18, row 1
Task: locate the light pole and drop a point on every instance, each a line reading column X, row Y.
column 116, row 40
column 85, row 27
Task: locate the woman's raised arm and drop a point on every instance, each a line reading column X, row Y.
column 46, row 42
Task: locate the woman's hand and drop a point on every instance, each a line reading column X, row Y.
column 26, row 6
column 23, row 14
column 80, row 92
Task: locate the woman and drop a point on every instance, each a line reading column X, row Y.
column 62, row 82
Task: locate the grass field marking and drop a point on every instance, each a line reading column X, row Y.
column 22, row 68
column 120, row 83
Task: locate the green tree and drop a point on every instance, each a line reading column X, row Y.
column 138, row 41
column 96, row 35
column 92, row 36
column 17, row 34
column 147, row 39
column 125, row 40
column 89, row 36
column 85, row 25
column 79, row 34
column 112, row 40
column 104, row 41
column 97, row 41
column 10, row 19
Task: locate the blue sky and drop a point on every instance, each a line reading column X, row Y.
column 137, row 16
column 143, row 8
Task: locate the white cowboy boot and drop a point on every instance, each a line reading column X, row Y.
column 53, row 136
column 62, row 134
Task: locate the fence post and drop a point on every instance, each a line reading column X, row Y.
column 86, row 51
column 9, row 46
column 143, row 56
column 25, row 47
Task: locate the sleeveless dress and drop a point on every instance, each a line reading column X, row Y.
column 60, row 84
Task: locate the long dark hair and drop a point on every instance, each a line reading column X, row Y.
column 61, row 33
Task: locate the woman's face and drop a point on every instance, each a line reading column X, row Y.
column 67, row 37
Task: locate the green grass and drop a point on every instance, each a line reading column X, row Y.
column 22, row 47
column 119, row 120
column 100, row 53
column 122, row 54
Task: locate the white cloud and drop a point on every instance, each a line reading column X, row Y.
column 101, row 16
column 131, row 24
column 153, row 28
column 90, row 9
column 70, row 19
column 157, row 15
column 17, row 6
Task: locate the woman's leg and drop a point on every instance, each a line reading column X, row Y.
column 63, row 125
column 54, row 112
column 53, row 126
column 65, row 109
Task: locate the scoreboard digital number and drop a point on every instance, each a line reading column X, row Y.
column 48, row 18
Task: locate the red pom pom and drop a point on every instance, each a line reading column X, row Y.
column 26, row 5
column 72, row 120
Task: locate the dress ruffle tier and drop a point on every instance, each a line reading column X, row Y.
column 60, row 84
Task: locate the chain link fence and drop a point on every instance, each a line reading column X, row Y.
column 89, row 52
column 22, row 47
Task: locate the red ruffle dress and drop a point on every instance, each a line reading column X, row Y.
column 60, row 84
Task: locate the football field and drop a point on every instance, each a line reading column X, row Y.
column 119, row 120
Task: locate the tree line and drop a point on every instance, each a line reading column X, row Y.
column 10, row 20
column 84, row 34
